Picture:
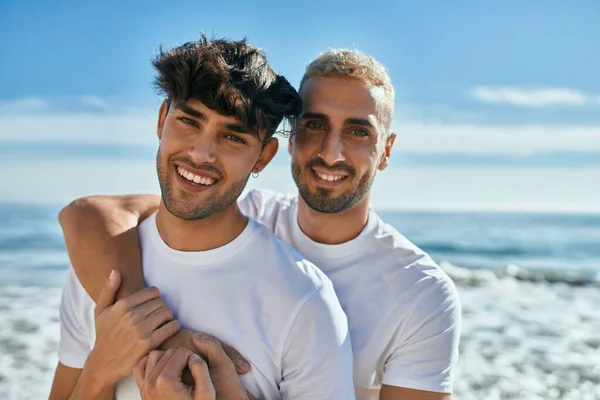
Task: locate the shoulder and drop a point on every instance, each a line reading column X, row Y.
column 416, row 279
column 265, row 205
column 286, row 265
column 425, row 315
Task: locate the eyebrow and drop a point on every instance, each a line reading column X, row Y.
column 359, row 121
column 239, row 128
column 191, row 111
column 350, row 121
column 313, row 115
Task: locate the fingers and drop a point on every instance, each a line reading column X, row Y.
column 108, row 293
column 211, row 350
column 204, row 389
column 149, row 307
column 241, row 365
column 175, row 366
column 160, row 366
column 157, row 319
column 139, row 373
column 137, row 298
column 153, row 359
column 164, row 332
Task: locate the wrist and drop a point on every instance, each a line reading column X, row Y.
column 95, row 376
column 92, row 386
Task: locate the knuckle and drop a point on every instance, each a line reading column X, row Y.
column 130, row 317
column 168, row 313
column 162, row 382
column 122, row 306
column 153, row 290
column 154, row 354
column 145, row 345
column 161, row 301
column 212, row 341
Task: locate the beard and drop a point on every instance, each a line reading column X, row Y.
column 321, row 199
column 183, row 205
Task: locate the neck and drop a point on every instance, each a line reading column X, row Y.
column 203, row 234
column 333, row 228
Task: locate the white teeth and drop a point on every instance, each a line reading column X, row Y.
column 195, row 178
column 330, row 178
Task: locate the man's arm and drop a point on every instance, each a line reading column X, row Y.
column 101, row 235
column 65, row 380
column 400, row 393
column 423, row 356
column 125, row 332
column 75, row 384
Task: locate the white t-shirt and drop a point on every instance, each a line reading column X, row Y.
column 403, row 311
column 256, row 294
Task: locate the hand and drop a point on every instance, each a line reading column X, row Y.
column 184, row 338
column 159, row 376
column 222, row 372
column 127, row 330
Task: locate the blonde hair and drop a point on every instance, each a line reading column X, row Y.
column 355, row 64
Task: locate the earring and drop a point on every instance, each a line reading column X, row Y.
column 254, row 174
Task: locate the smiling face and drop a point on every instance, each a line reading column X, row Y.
column 205, row 158
column 340, row 143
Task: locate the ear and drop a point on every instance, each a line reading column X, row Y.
column 162, row 116
column 266, row 155
column 387, row 152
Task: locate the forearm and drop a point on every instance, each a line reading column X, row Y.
column 92, row 386
column 101, row 235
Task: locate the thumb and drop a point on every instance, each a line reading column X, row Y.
column 211, row 350
column 203, row 385
column 109, row 292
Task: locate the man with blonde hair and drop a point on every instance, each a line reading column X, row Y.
column 403, row 311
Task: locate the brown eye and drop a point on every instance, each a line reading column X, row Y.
column 360, row 132
column 235, row 139
column 187, row 121
column 314, row 125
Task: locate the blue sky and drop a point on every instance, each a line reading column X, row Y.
column 498, row 105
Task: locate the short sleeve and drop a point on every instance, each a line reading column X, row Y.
column 317, row 357
column 425, row 354
column 74, row 346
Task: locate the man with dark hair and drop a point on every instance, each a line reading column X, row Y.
column 218, row 271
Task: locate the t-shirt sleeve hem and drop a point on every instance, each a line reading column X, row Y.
column 71, row 360
column 438, row 387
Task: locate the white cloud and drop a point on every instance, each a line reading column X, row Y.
column 95, row 102
column 488, row 139
column 80, row 127
column 135, row 127
column 21, row 106
column 530, row 97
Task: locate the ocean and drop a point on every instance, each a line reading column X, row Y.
column 529, row 285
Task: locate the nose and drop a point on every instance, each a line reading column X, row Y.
column 202, row 150
column 332, row 149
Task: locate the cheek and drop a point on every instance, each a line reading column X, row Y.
column 237, row 164
column 362, row 158
column 305, row 145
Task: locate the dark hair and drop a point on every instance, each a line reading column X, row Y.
column 231, row 77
